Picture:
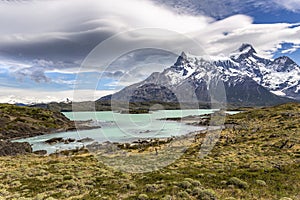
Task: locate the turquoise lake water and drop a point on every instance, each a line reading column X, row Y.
column 116, row 127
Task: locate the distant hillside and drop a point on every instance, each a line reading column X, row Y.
column 21, row 121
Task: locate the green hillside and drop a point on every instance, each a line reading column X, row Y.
column 21, row 121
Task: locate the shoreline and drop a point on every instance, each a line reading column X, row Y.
column 83, row 126
column 192, row 120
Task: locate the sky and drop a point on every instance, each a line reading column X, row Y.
column 53, row 49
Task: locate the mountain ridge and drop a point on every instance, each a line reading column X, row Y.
column 245, row 75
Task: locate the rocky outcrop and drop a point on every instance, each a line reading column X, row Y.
column 59, row 140
column 8, row 148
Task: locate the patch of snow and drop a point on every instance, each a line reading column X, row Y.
column 279, row 93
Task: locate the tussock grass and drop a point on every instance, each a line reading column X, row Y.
column 258, row 158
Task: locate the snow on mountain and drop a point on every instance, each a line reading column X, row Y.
column 280, row 76
column 15, row 99
column 248, row 78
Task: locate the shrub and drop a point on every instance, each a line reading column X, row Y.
column 183, row 195
column 197, row 191
column 185, row 184
column 207, row 194
column 261, row 182
column 130, row 186
column 143, row 197
column 152, row 187
column 238, row 182
column 167, row 197
column 193, row 182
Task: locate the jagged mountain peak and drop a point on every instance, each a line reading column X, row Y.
column 246, row 48
column 247, row 77
column 243, row 52
column 285, row 59
column 181, row 59
column 183, row 55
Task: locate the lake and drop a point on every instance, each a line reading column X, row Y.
column 116, row 127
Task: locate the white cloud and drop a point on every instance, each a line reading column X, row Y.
column 292, row 5
column 30, row 22
column 266, row 38
column 291, row 50
column 27, row 96
column 63, row 28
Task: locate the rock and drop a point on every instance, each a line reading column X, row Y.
column 40, row 152
column 87, row 139
column 8, row 148
column 59, row 140
column 69, row 140
column 54, row 140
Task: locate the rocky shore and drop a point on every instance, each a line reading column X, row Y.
column 18, row 122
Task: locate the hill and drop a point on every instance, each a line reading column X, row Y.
column 21, row 122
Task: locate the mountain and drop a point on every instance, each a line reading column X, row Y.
column 243, row 78
column 280, row 76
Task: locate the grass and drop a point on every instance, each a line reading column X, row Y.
column 258, row 158
column 21, row 121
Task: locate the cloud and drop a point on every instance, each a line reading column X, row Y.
column 292, row 5
column 70, row 29
column 221, row 9
column 64, row 32
column 56, row 36
column 36, row 69
column 266, row 38
column 291, row 50
column 14, row 95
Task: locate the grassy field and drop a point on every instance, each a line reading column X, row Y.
column 256, row 158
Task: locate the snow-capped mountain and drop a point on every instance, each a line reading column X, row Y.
column 246, row 77
column 281, row 76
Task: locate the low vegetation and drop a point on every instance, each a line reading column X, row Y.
column 21, row 121
column 258, row 157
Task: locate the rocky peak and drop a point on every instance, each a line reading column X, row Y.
column 246, row 48
column 284, row 64
column 182, row 59
column 245, row 51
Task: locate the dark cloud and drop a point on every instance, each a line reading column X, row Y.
column 63, row 33
column 114, row 75
column 71, row 48
column 35, row 74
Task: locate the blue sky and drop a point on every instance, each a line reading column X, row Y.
column 44, row 43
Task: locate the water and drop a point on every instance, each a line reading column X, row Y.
column 116, row 127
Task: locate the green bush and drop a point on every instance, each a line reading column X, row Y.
column 185, row 184
column 183, row 195
column 238, row 182
column 260, row 182
column 143, row 197
column 207, row 194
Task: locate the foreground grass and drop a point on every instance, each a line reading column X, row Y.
column 258, row 158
